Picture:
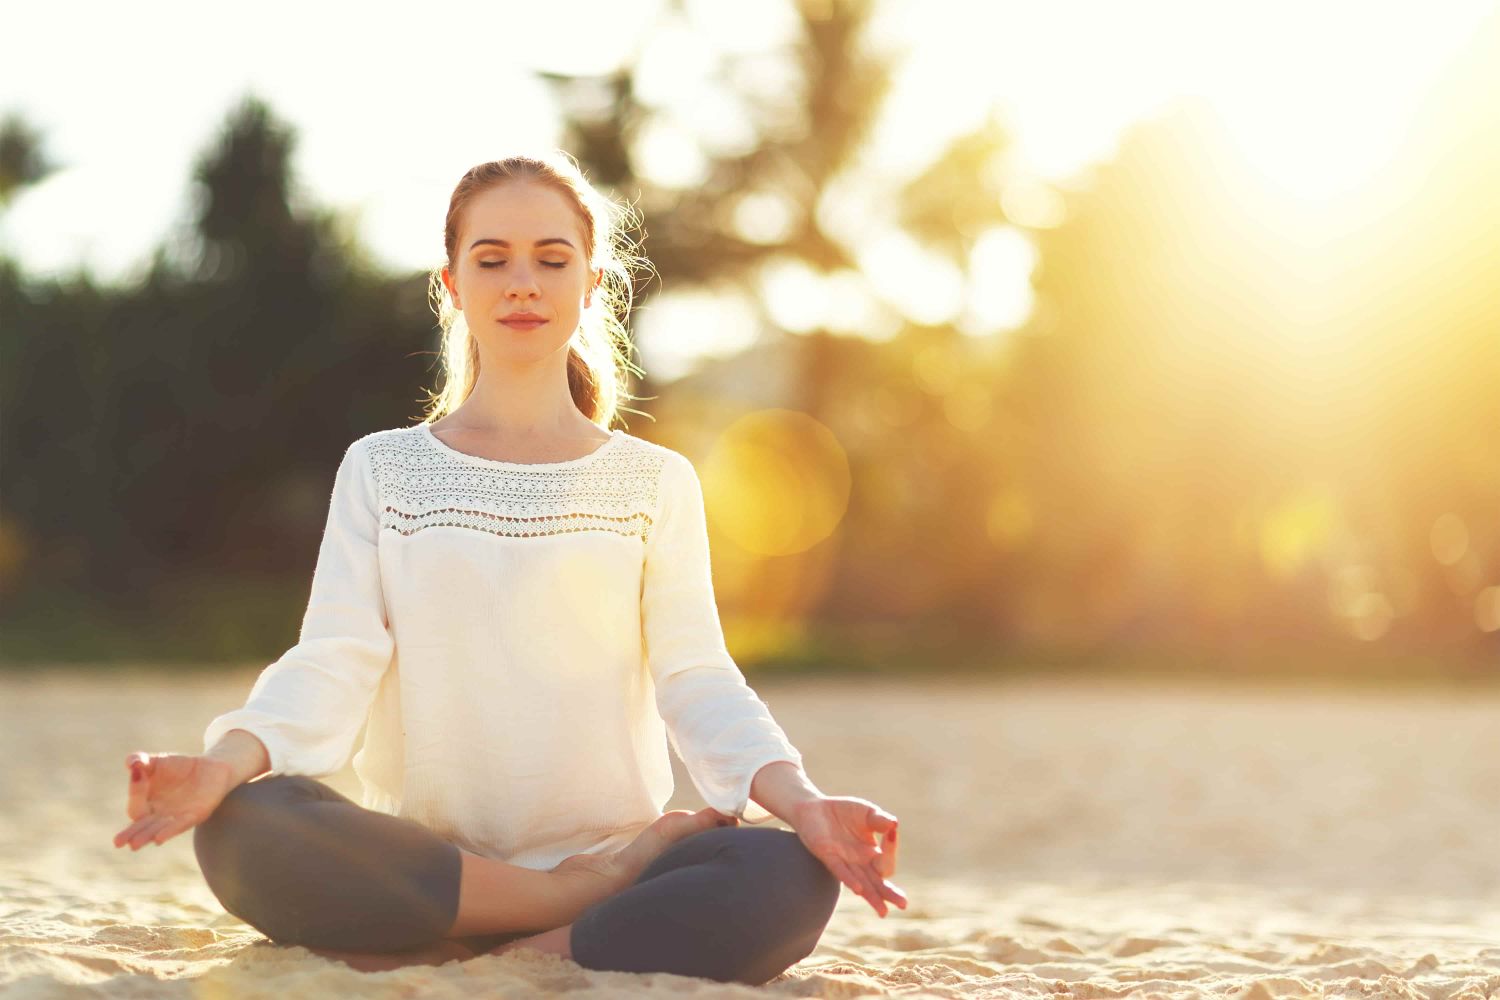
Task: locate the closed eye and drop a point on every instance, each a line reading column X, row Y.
column 501, row 263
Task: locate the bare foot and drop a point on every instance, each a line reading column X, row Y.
column 610, row 873
column 371, row 961
column 558, row 941
column 593, row 878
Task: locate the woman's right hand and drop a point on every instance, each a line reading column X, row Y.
column 170, row 793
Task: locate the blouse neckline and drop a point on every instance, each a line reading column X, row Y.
column 426, row 431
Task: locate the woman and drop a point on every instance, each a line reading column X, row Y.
column 519, row 603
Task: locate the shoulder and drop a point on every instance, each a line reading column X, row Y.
column 676, row 490
column 657, row 454
column 666, row 476
column 670, row 469
column 385, row 438
column 385, row 448
column 373, row 456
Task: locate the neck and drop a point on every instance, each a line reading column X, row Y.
column 522, row 403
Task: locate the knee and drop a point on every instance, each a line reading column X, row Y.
column 818, row 895
column 817, row 887
column 228, row 843
column 277, row 787
column 246, row 805
column 799, row 887
column 787, row 894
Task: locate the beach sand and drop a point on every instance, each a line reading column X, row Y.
column 1061, row 839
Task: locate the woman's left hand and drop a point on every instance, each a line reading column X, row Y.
column 840, row 831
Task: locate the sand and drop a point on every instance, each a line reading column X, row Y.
column 1059, row 839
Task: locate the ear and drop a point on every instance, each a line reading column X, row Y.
column 588, row 295
column 452, row 288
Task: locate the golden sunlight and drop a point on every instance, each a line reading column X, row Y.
column 776, row 482
column 1320, row 95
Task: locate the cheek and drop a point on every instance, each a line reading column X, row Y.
column 568, row 288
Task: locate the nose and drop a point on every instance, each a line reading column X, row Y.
column 522, row 283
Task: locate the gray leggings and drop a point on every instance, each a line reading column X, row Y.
column 305, row 865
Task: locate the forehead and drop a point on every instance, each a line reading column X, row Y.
column 521, row 213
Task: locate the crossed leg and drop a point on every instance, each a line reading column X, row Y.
column 306, row 865
column 737, row 904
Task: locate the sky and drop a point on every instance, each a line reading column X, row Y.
column 391, row 107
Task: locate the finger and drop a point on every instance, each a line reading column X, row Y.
column 857, row 886
column 855, row 844
column 869, row 887
column 881, row 821
column 873, row 886
column 842, row 872
column 135, row 801
column 149, row 832
column 141, row 831
column 171, row 829
column 143, row 838
column 123, row 837
column 894, row 893
column 887, row 861
column 883, row 866
column 878, row 887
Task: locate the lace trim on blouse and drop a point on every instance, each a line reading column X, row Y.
column 614, row 489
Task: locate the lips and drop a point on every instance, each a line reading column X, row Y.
column 524, row 323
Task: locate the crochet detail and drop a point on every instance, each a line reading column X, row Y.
column 519, row 527
column 422, row 485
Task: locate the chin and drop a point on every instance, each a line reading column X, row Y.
column 524, row 351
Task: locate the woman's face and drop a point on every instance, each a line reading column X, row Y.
column 521, row 250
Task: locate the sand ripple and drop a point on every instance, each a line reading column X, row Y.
column 1061, row 840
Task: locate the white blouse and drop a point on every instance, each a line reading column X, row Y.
column 522, row 639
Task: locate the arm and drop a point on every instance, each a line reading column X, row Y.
column 733, row 749
column 173, row 792
column 721, row 729
column 244, row 753
column 307, row 707
column 781, row 788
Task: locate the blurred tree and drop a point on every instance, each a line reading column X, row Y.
column 1205, row 434
column 806, row 135
column 1238, row 445
column 810, row 134
column 22, row 159
column 166, row 431
column 1430, row 323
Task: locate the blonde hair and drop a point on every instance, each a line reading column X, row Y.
column 599, row 353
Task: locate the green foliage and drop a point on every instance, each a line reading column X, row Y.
column 1140, row 480
column 191, row 422
column 22, row 159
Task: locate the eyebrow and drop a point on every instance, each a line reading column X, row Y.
column 540, row 243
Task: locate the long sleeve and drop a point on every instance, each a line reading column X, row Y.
column 720, row 728
column 309, row 705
